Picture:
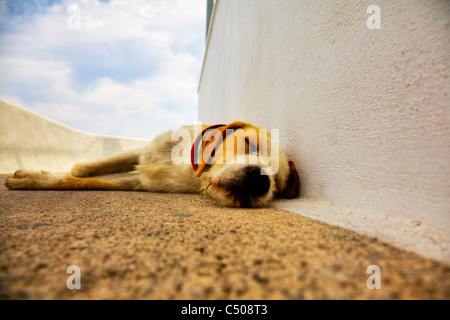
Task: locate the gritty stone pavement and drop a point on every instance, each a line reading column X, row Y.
column 136, row 245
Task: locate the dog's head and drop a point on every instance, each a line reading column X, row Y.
column 241, row 165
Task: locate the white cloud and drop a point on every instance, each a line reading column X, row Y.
column 131, row 70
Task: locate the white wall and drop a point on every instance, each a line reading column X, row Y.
column 29, row 141
column 365, row 114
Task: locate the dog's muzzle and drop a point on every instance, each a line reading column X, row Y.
column 246, row 185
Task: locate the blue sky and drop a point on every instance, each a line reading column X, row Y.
column 131, row 69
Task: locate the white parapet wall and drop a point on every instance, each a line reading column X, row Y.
column 363, row 112
column 30, row 141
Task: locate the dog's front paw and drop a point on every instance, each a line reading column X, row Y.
column 23, row 179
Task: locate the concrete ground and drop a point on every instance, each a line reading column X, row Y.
column 136, row 245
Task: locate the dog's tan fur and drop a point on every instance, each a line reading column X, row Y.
column 151, row 169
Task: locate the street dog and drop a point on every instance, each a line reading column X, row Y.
column 237, row 165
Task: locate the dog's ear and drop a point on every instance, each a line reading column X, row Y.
column 293, row 184
column 213, row 138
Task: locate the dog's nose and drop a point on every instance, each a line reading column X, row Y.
column 255, row 183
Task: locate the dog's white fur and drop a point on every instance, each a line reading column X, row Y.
column 151, row 169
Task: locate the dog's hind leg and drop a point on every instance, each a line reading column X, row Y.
column 122, row 162
column 43, row 180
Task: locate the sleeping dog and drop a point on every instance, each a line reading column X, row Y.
column 237, row 165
